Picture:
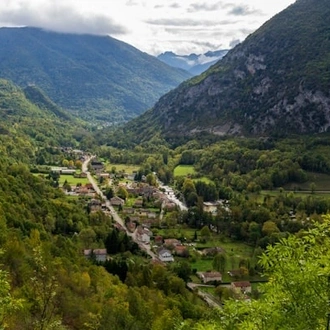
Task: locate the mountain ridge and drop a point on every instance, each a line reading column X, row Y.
column 96, row 77
column 275, row 82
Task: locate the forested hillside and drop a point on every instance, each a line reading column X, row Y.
column 275, row 82
column 94, row 77
column 249, row 213
column 46, row 282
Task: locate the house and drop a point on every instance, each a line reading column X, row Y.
column 212, row 251
column 181, row 250
column 96, row 165
column 68, row 171
column 151, row 215
column 210, row 276
column 165, row 255
column 211, row 207
column 128, row 210
column 241, row 287
column 171, row 242
column 89, row 186
column 159, row 240
column 95, row 205
column 135, row 219
column 130, row 177
column 82, row 190
column 80, row 175
column 116, row 201
column 143, row 234
column 143, row 212
column 104, row 175
column 148, row 222
column 138, row 203
column 169, row 206
column 100, row 255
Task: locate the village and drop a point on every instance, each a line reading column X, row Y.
column 144, row 215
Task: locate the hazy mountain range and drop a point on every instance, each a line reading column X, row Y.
column 95, row 77
column 194, row 63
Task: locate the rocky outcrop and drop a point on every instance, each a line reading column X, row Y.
column 276, row 81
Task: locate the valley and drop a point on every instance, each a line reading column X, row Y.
column 135, row 196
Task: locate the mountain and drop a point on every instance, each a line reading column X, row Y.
column 95, row 77
column 31, row 122
column 193, row 63
column 275, row 82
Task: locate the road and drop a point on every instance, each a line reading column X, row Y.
column 208, row 298
column 171, row 195
column 115, row 216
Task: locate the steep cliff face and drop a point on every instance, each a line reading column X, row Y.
column 276, row 81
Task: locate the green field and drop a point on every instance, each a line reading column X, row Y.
column 203, row 179
column 235, row 251
column 321, row 181
column 72, row 181
column 184, row 170
column 129, row 169
column 302, row 194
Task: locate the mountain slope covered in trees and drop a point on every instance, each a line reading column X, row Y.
column 31, row 122
column 45, row 280
column 92, row 76
column 276, row 81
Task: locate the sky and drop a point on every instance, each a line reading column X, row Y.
column 152, row 26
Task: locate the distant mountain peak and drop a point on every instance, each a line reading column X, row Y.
column 275, row 82
column 193, row 63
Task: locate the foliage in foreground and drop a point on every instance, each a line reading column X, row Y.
column 297, row 294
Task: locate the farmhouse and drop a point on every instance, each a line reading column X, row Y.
column 211, row 207
column 143, row 234
column 241, row 287
column 210, row 276
column 116, row 201
column 165, row 255
column 171, row 242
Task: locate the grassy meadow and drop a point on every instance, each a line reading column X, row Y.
column 126, row 168
column 71, row 180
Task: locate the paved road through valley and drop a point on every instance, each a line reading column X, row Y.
column 115, row 216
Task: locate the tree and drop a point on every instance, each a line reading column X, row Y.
column 312, row 187
column 205, row 233
column 78, row 164
column 219, row 262
column 269, row 227
column 297, row 294
column 8, row 304
column 151, row 179
column 109, row 193
column 112, row 242
column 183, row 270
column 188, row 187
column 122, row 192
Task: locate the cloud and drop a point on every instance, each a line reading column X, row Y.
column 175, row 5
column 242, row 11
column 59, row 18
column 132, row 3
column 196, row 7
column 182, row 22
column 234, row 42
